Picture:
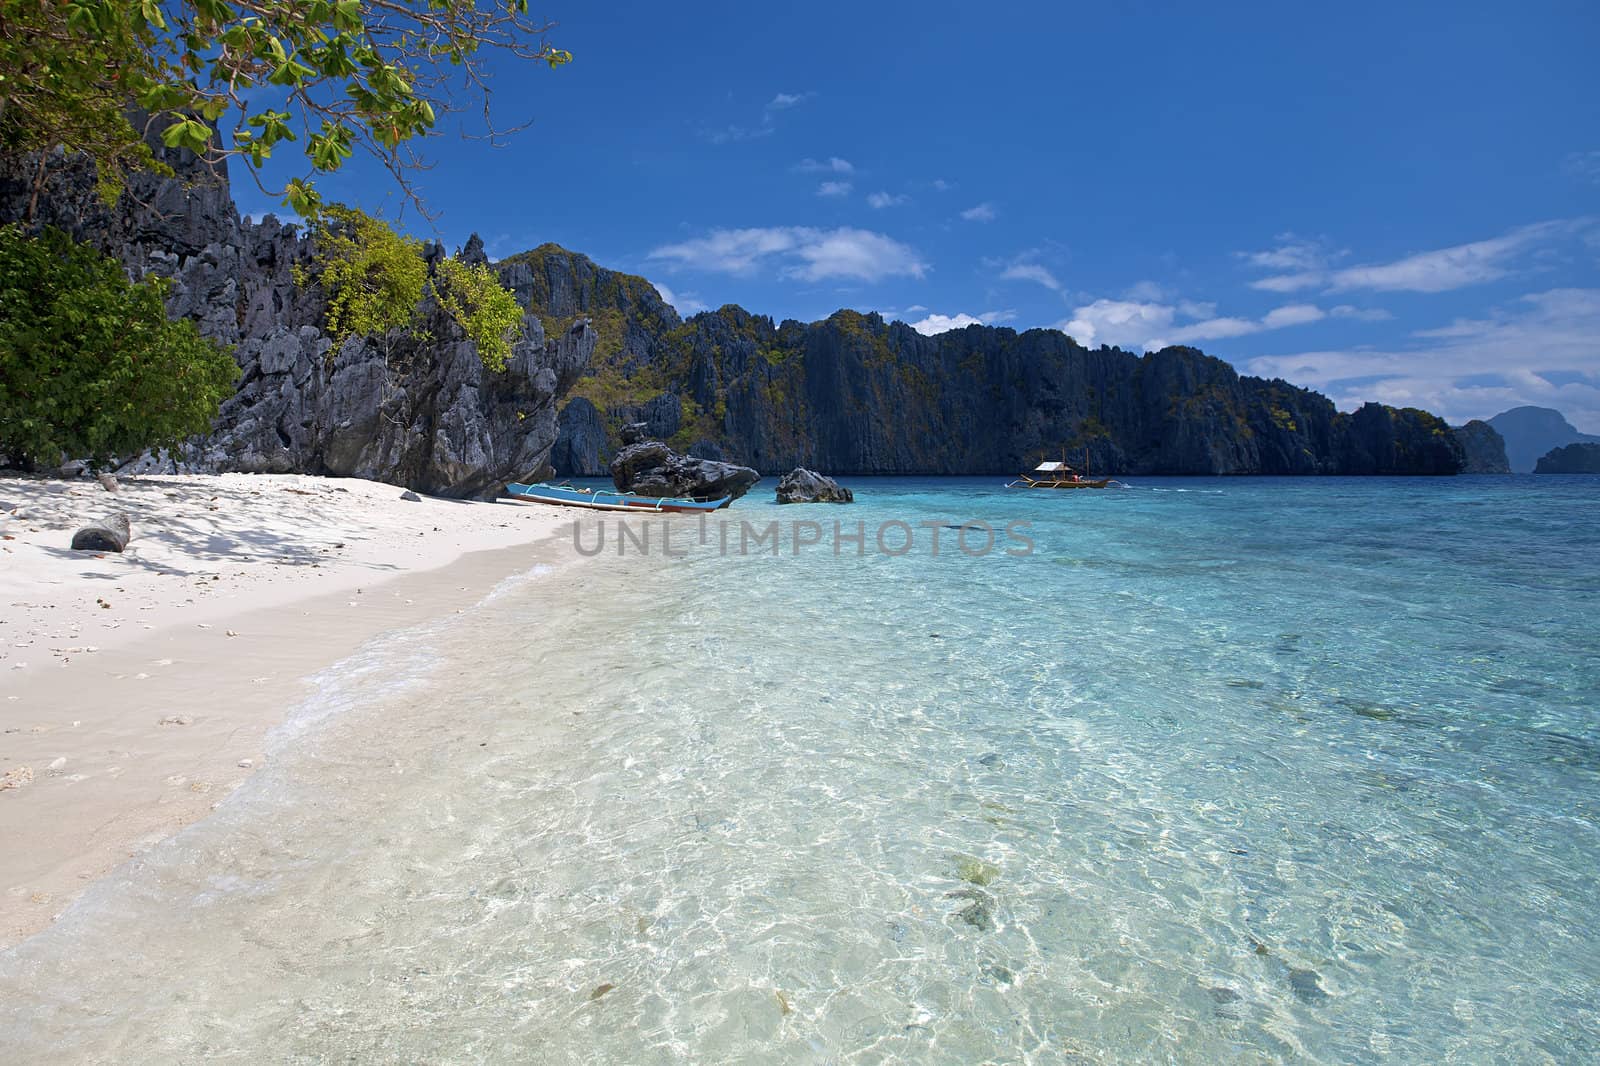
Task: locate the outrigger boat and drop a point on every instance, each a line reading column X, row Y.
column 1052, row 475
column 606, row 500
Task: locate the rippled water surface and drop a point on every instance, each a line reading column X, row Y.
column 1250, row 771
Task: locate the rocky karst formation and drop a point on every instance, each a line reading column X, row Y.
column 650, row 468
column 854, row 394
column 1583, row 458
column 425, row 415
column 1483, row 448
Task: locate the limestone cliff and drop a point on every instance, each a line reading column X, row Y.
column 849, row 395
column 856, row 395
column 1484, row 448
column 427, row 416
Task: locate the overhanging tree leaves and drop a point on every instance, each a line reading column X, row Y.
column 90, row 365
column 344, row 75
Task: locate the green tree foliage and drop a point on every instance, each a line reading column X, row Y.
column 342, row 75
column 375, row 280
column 90, row 365
column 484, row 309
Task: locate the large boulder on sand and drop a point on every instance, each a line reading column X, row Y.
column 650, row 468
column 807, row 486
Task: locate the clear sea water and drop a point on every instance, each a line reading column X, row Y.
column 1224, row 771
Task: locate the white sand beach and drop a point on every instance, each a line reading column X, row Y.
column 136, row 689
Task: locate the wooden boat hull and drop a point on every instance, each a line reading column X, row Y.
column 1085, row 483
column 607, row 500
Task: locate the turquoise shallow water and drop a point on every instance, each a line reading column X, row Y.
column 1225, row 770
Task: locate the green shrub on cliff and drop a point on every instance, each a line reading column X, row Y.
column 484, row 309
column 375, row 279
column 90, row 365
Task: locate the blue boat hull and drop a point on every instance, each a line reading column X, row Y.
column 606, row 500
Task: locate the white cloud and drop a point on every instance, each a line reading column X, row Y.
column 1446, row 268
column 1361, row 314
column 1284, row 283
column 1292, row 254
column 944, row 323
column 834, row 188
column 1292, row 315
column 1148, row 324
column 880, row 200
column 1464, row 370
column 686, row 304
column 915, row 308
column 942, row 185
column 1584, row 166
column 800, row 252
column 1031, row 272
column 1440, row 270
column 784, row 101
column 831, row 165
column 1146, row 292
column 983, row 212
column 1127, row 323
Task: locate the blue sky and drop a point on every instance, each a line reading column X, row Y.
column 1397, row 202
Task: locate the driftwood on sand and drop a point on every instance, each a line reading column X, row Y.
column 109, row 535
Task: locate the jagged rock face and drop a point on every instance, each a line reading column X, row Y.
column 807, row 486
column 580, row 449
column 856, row 395
column 1484, row 449
column 427, row 416
column 650, row 468
column 1572, row 459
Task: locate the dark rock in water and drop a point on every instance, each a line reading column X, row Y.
column 991, row 759
column 1484, row 448
column 109, row 535
column 807, row 486
column 1307, row 986
column 1004, row 974
column 979, row 911
column 410, row 496
column 1572, row 459
column 650, row 468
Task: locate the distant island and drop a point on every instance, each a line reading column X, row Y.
column 1531, row 432
column 1572, row 459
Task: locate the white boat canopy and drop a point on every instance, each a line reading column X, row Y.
column 1050, row 468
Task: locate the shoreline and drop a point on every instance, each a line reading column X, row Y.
column 159, row 706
